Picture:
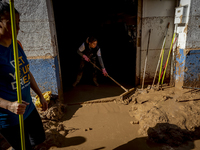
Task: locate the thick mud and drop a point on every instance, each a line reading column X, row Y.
column 169, row 116
column 55, row 131
column 166, row 116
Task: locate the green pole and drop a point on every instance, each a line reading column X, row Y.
column 17, row 73
column 171, row 47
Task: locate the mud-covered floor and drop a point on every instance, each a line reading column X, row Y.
column 87, row 91
column 157, row 120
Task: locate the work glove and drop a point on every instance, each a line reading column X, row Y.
column 86, row 58
column 104, row 72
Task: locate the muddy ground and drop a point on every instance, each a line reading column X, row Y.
column 168, row 119
column 169, row 116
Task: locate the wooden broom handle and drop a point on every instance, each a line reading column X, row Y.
column 110, row 77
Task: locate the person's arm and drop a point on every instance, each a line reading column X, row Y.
column 14, row 107
column 100, row 58
column 101, row 62
column 80, row 50
column 80, row 53
column 36, row 89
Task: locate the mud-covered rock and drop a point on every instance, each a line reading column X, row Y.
column 55, row 112
column 60, row 127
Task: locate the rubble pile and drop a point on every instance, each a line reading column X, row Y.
column 55, row 108
column 55, row 112
column 167, row 115
column 51, row 119
column 55, row 134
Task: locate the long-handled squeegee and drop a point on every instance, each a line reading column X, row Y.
column 15, row 48
column 127, row 92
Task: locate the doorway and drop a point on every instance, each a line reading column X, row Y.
column 112, row 23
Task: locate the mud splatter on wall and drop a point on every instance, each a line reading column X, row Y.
column 180, row 63
column 188, row 51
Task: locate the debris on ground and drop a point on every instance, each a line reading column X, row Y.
column 87, row 129
column 54, row 129
column 134, row 122
column 169, row 110
column 47, row 97
column 55, row 112
column 170, row 116
column 55, row 108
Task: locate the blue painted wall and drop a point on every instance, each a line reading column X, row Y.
column 180, row 63
column 45, row 74
column 187, row 69
column 192, row 69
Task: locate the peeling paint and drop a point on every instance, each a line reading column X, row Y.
column 178, row 55
column 180, row 66
column 186, row 52
column 181, row 18
column 186, row 69
column 186, row 28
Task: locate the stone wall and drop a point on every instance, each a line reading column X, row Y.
column 38, row 37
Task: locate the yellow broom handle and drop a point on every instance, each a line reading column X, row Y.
column 17, row 73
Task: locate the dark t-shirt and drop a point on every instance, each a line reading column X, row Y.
column 8, row 90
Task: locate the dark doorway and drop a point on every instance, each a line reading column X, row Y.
column 114, row 25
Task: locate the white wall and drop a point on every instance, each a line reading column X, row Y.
column 193, row 28
column 36, row 27
column 155, row 16
column 182, row 30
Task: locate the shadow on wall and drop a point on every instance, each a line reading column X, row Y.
column 164, row 136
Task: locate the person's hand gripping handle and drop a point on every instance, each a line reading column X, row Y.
column 86, row 58
column 104, row 72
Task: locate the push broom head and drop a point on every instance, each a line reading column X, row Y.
column 127, row 95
